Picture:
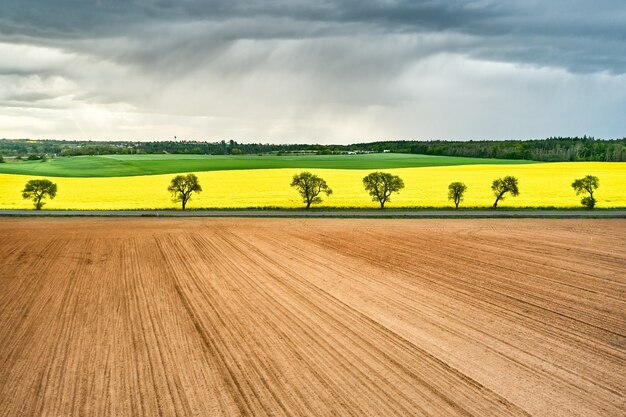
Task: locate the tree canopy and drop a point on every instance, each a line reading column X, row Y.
column 380, row 185
column 501, row 186
column 587, row 184
column 38, row 190
column 310, row 186
column 182, row 186
column 456, row 191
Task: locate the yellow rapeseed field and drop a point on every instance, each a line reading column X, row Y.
column 541, row 185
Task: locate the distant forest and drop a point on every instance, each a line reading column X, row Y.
column 551, row 149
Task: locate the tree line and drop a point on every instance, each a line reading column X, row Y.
column 379, row 185
column 553, row 149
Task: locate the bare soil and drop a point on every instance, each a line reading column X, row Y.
column 312, row 317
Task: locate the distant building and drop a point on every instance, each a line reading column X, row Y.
column 386, row 151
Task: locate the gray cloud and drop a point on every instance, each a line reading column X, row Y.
column 327, row 70
column 575, row 34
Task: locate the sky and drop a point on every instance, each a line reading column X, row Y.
column 324, row 71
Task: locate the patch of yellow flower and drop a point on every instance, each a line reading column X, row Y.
column 541, row 185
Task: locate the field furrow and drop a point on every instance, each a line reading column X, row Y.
column 312, row 317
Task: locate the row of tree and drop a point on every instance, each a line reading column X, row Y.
column 379, row 185
column 556, row 149
column 551, row 149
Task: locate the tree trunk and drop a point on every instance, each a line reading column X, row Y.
column 308, row 204
column 382, row 204
column 456, row 205
column 184, row 203
column 495, row 205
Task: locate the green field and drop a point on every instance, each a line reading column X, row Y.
column 132, row 165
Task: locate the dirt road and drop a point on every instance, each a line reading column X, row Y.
column 312, row 317
column 417, row 214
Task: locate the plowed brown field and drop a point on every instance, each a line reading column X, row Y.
column 283, row 317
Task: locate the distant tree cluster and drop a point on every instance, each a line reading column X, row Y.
column 551, row 149
column 556, row 149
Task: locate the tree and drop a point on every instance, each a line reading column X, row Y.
column 37, row 190
column 310, row 186
column 587, row 184
column 1, row 160
column 182, row 186
column 380, row 185
column 455, row 192
column 501, row 186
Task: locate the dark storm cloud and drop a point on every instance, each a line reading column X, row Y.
column 579, row 35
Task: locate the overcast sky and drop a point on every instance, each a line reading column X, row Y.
column 324, row 71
